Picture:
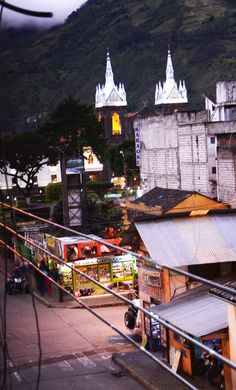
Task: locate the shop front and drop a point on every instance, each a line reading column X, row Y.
column 204, row 318
column 97, row 260
column 111, row 271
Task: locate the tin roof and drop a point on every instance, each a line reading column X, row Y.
column 189, row 240
column 195, row 312
column 164, row 197
column 225, row 296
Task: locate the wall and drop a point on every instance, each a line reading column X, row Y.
column 174, row 152
column 159, row 151
column 184, row 150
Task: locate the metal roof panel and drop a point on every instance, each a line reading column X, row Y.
column 185, row 241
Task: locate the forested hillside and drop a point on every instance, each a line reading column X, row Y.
column 39, row 69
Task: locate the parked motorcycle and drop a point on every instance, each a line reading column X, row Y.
column 86, row 291
column 132, row 318
column 16, row 282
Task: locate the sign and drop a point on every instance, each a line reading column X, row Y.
column 74, row 165
column 137, row 146
column 176, row 361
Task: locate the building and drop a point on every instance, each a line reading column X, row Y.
column 198, row 240
column 192, row 150
column 169, row 97
column 111, row 107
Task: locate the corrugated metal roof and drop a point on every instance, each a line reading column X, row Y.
column 197, row 313
column 227, row 297
column 191, row 240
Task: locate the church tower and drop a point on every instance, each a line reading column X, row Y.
column 111, row 107
column 169, row 96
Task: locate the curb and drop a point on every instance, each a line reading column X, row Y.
column 117, row 358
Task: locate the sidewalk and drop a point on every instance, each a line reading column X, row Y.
column 52, row 300
column 147, row 372
column 152, row 375
column 93, row 301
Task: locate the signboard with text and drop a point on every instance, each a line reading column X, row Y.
column 137, row 147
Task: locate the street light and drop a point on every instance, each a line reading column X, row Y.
column 125, row 174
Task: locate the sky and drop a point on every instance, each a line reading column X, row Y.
column 60, row 8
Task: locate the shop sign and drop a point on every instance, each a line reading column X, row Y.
column 137, row 147
column 105, row 259
column 154, row 292
column 126, row 257
column 86, row 262
column 152, row 278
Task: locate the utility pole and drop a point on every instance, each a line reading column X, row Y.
column 64, row 190
column 125, row 174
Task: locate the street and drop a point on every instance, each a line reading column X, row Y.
column 76, row 347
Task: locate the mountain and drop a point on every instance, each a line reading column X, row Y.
column 40, row 69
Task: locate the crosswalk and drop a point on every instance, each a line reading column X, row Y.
column 81, row 363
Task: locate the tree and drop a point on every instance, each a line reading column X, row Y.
column 73, row 126
column 117, row 161
column 21, row 158
column 53, row 192
column 102, row 214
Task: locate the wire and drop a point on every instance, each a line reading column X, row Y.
column 24, row 11
column 37, row 323
column 3, row 312
column 156, row 317
column 1, row 10
column 226, row 361
column 122, row 249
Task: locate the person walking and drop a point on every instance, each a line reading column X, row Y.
column 61, row 292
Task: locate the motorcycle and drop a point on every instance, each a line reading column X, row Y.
column 132, row 318
column 16, row 282
column 86, row 291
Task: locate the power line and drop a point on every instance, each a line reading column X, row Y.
column 39, row 14
column 151, row 315
column 137, row 255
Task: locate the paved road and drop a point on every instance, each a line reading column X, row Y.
column 76, row 347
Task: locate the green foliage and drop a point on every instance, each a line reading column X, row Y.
column 73, row 126
column 102, row 213
column 25, row 154
column 120, row 164
column 99, row 187
column 53, row 192
column 70, row 60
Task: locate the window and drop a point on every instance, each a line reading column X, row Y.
column 213, row 140
column 116, row 125
column 90, row 159
column 53, row 178
column 14, row 181
column 213, row 170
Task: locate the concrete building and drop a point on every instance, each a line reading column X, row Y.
column 191, row 150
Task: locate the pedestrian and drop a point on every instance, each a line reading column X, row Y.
column 61, row 292
column 54, row 273
column 43, row 265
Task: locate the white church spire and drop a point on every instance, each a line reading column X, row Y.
column 170, row 93
column 109, row 74
column 110, row 94
column 169, row 67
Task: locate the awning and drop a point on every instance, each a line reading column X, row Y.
column 195, row 312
